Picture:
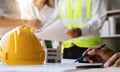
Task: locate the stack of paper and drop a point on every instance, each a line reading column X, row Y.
column 55, row 31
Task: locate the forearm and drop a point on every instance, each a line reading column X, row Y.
column 9, row 22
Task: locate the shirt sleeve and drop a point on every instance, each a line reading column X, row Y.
column 53, row 17
column 1, row 12
column 1, row 7
column 9, row 8
column 98, row 17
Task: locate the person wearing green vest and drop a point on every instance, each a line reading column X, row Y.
column 81, row 19
column 84, row 19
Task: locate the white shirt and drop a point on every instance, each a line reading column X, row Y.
column 9, row 8
column 93, row 26
column 42, row 15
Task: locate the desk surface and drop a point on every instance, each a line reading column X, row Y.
column 65, row 66
column 109, row 69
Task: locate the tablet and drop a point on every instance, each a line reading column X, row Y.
column 90, row 66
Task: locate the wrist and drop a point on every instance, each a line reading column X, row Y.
column 79, row 32
column 23, row 22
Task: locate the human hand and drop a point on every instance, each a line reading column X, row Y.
column 114, row 60
column 97, row 55
column 35, row 23
column 74, row 32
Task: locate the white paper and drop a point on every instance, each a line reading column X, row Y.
column 56, row 31
column 47, row 67
column 109, row 69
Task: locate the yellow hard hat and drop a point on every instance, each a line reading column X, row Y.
column 21, row 47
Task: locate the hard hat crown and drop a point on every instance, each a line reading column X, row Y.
column 20, row 47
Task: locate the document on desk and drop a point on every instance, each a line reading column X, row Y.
column 109, row 69
column 55, row 31
column 47, row 67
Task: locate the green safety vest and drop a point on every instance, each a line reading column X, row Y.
column 74, row 18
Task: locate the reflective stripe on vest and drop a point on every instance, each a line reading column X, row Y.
column 77, row 17
column 81, row 42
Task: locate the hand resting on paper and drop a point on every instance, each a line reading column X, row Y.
column 104, row 55
column 114, row 60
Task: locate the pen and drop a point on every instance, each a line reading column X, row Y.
column 81, row 58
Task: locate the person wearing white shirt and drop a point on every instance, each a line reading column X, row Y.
column 84, row 19
column 41, row 10
column 10, row 17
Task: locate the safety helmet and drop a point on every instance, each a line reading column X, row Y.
column 21, row 47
